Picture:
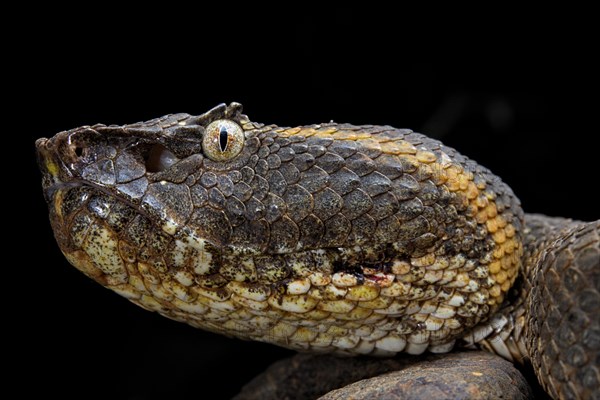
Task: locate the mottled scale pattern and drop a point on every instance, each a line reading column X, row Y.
column 326, row 238
column 563, row 308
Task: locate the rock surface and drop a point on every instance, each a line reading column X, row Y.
column 466, row 375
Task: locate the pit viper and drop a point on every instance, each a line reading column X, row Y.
column 326, row 238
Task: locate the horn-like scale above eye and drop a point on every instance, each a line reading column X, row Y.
column 223, row 140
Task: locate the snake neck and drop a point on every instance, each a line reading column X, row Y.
column 506, row 332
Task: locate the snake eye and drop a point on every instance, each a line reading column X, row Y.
column 223, row 140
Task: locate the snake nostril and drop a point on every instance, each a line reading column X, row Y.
column 77, row 152
column 72, row 146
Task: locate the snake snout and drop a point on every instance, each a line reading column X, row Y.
column 52, row 168
column 64, row 154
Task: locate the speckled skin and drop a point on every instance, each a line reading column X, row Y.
column 327, row 238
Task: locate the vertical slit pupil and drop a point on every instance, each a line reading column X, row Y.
column 223, row 137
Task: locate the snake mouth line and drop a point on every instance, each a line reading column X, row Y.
column 354, row 265
column 51, row 190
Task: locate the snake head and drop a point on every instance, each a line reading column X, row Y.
column 101, row 175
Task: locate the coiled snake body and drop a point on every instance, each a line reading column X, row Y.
column 326, row 238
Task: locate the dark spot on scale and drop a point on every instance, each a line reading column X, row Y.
column 359, row 277
column 78, row 151
column 278, row 291
column 386, row 267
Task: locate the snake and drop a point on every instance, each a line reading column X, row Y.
column 326, row 238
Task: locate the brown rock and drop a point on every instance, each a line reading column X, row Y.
column 466, row 375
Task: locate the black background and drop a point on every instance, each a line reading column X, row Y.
column 523, row 103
